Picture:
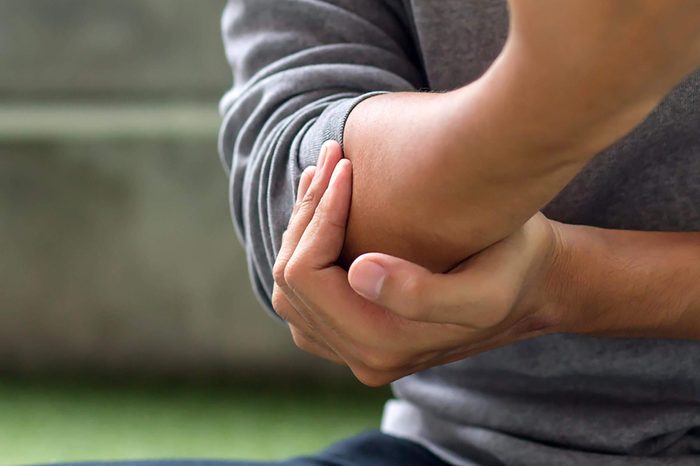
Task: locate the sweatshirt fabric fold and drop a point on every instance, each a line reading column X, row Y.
column 300, row 66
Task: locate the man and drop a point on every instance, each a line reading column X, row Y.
column 511, row 336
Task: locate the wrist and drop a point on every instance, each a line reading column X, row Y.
column 565, row 281
column 550, row 294
column 626, row 283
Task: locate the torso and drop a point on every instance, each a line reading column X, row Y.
column 566, row 399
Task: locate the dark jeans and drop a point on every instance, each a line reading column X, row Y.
column 369, row 449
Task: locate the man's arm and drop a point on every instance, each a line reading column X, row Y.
column 438, row 176
column 387, row 318
column 298, row 66
column 627, row 283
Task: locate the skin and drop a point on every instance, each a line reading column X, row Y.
column 468, row 203
column 387, row 318
column 628, row 283
column 493, row 153
column 378, row 344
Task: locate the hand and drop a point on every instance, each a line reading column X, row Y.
column 388, row 318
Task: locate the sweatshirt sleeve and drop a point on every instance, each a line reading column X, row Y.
column 299, row 67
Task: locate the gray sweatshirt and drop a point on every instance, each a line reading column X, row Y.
column 299, row 67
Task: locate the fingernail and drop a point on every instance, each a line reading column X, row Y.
column 336, row 173
column 322, row 157
column 368, row 279
column 308, row 170
column 304, row 183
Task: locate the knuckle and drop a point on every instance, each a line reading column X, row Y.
column 304, row 342
column 381, row 361
column 309, row 345
column 371, row 378
column 300, row 341
column 281, row 304
column 409, row 287
column 294, row 272
column 278, row 271
column 278, row 299
column 413, row 288
column 329, row 218
column 310, row 199
column 413, row 305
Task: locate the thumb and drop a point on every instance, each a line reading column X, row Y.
column 405, row 288
column 415, row 293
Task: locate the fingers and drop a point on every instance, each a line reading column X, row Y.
column 386, row 319
column 322, row 242
column 303, row 333
column 304, row 182
column 312, row 184
column 416, row 293
column 311, row 190
column 321, row 287
column 305, row 207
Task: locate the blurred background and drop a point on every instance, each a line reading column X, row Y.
column 127, row 324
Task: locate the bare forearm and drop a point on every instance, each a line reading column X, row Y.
column 438, row 177
column 628, row 283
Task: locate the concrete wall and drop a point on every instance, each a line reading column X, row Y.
column 104, row 48
column 117, row 252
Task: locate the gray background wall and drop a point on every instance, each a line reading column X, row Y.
column 117, row 252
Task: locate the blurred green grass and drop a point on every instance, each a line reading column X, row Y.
column 56, row 421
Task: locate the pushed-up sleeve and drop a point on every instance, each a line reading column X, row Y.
column 299, row 67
